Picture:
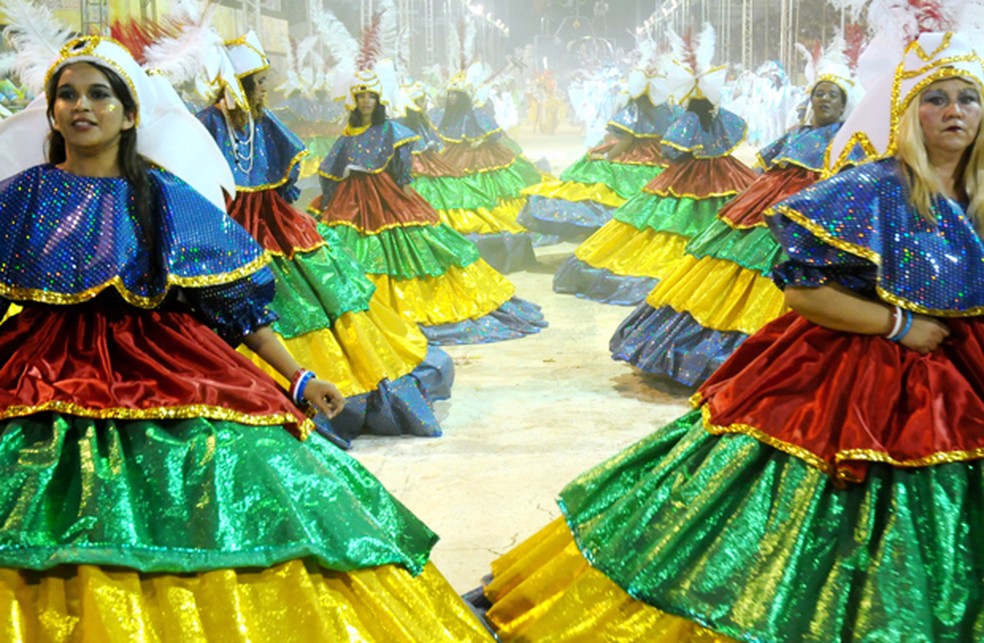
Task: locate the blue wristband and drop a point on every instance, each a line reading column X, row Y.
column 905, row 327
column 302, row 383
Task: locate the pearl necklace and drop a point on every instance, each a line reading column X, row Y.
column 244, row 161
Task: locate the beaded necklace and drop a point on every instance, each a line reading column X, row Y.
column 244, row 161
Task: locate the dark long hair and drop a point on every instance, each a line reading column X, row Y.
column 457, row 106
column 240, row 117
column 133, row 167
column 378, row 114
column 704, row 110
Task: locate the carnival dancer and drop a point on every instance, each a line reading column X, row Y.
column 720, row 292
column 623, row 260
column 481, row 197
column 608, row 175
column 828, row 486
column 328, row 314
column 425, row 270
column 156, row 484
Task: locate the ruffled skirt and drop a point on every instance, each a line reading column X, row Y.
column 149, row 490
column 829, row 489
column 331, row 322
column 422, row 268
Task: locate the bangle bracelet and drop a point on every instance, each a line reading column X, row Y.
column 298, row 383
column 896, row 323
column 905, row 327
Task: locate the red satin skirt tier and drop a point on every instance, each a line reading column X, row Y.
column 841, row 400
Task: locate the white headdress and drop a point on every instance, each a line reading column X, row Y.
column 366, row 66
column 690, row 74
column 646, row 76
column 832, row 64
column 874, row 124
column 168, row 135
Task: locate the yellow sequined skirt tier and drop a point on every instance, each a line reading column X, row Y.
column 719, row 294
column 360, row 350
column 623, row 250
column 545, row 591
column 292, row 602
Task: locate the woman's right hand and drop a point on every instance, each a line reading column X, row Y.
column 925, row 335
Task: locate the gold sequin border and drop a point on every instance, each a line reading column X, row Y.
column 184, row 412
column 632, row 133
column 48, row 297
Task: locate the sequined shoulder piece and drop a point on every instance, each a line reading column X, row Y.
column 935, row 267
column 70, row 237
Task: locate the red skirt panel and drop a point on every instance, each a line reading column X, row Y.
column 843, row 400
column 276, row 225
column 488, row 156
column 429, row 163
column 105, row 360
column 643, row 151
column 702, row 178
column 745, row 210
column 374, row 202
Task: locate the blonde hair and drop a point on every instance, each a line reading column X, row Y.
column 923, row 182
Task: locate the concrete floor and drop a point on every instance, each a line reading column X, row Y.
column 526, row 417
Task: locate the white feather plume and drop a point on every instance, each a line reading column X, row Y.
column 704, row 48
column 388, row 28
column 183, row 56
column 37, row 36
column 341, row 45
column 7, row 62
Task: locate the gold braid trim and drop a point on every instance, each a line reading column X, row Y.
column 794, row 450
column 58, row 298
column 388, row 226
column 846, row 455
column 630, row 132
column 670, row 192
column 270, row 186
column 161, row 413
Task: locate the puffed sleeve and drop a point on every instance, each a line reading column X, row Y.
column 235, row 309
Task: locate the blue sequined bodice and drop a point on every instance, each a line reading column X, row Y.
column 804, row 147
column 686, row 136
column 69, row 237
column 859, row 222
column 477, row 124
column 643, row 120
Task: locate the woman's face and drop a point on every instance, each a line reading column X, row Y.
column 366, row 103
column 827, row 102
column 950, row 116
column 86, row 111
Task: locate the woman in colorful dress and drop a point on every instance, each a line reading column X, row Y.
column 481, row 197
column 590, row 190
column 623, row 260
column 421, row 267
column 828, row 487
column 156, row 484
column 720, row 292
column 328, row 314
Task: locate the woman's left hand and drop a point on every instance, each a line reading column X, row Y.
column 325, row 397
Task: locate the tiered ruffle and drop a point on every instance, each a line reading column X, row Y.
column 717, row 295
column 423, row 269
column 331, row 322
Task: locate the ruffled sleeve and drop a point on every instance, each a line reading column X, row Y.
column 234, row 310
